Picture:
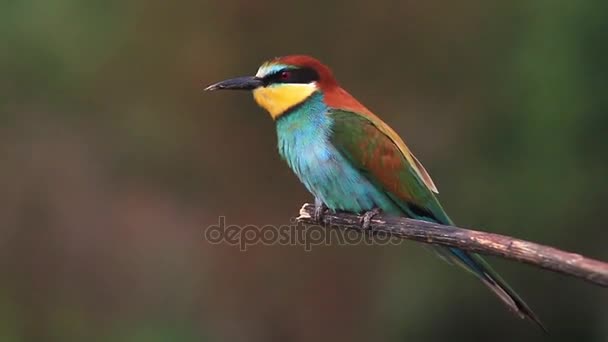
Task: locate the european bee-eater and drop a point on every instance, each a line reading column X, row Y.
column 349, row 159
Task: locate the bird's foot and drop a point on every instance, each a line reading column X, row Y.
column 367, row 217
column 320, row 208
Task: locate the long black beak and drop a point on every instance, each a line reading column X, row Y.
column 239, row 83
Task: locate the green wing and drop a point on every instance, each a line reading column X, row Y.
column 377, row 154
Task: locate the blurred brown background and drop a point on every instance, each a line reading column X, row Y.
column 114, row 162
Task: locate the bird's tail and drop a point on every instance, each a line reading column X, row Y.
column 475, row 264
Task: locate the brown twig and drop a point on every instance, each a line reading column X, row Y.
column 546, row 257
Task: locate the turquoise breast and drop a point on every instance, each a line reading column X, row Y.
column 304, row 142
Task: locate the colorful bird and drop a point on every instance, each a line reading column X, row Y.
column 349, row 159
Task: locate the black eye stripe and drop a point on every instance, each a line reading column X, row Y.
column 299, row 75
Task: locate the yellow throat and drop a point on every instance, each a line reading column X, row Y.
column 278, row 98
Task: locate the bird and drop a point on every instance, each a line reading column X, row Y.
column 350, row 159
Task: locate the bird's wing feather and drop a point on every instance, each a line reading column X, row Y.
column 373, row 147
column 405, row 151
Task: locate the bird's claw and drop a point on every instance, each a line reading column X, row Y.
column 320, row 212
column 367, row 217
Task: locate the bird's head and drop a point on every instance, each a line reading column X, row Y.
column 283, row 83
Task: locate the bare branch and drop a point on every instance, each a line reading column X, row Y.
column 546, row 257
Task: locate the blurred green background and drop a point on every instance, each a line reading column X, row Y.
column 113, row 162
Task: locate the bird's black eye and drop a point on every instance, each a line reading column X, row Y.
column 292, row 75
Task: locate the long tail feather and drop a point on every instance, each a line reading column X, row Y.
column 480, row 268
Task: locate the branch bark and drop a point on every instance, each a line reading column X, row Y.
column 550, row 258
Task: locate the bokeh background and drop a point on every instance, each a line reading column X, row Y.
column 113, row 162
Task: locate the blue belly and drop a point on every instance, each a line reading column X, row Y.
column 303, row 141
